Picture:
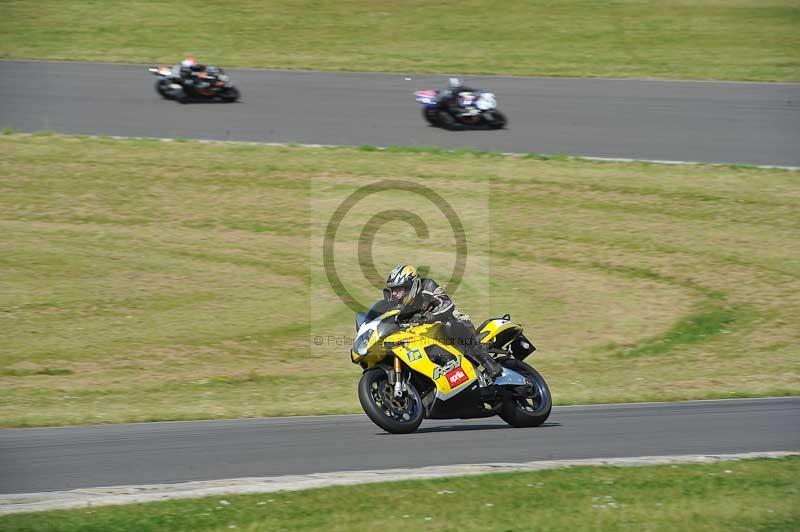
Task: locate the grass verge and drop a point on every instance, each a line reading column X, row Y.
column 759, row 494
column 146, row 280
column 717, row 39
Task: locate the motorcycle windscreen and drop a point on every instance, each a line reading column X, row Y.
column 376, row 310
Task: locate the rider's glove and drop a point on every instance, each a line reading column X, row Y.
column 422, row 317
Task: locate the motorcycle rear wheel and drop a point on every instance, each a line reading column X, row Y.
column 533, row 409
column 181, row 96
column 161, row 88
column 396, row 415
column 430, row 116
column 447, row 121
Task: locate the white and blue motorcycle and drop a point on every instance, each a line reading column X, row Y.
column 474, row 110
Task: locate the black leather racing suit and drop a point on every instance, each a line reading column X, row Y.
column 448, row 98
column 433, row 304
column 191, row 76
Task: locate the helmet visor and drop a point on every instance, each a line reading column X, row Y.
column 398, row 292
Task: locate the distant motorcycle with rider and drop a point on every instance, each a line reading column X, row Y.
column 192, row 81
column 461, row 107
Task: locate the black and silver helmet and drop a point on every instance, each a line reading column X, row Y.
column 402, row 285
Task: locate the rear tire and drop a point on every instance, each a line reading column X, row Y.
column 448, row 121
column 533, row 409
column 161, row 88
column 396, row 415
column 430, row 116
column 181, row 96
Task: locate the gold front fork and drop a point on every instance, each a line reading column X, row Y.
column 398, row 380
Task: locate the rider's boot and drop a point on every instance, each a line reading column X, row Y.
column 493, row 369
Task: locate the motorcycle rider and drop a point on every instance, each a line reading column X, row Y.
column 192, row 73
column 424, row 301
column 448, row 98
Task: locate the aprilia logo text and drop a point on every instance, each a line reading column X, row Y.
column 456, row 377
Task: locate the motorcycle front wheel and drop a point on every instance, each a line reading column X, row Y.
column 231, row 94
column 498, row 120
column 531, row 409
column 398, row 415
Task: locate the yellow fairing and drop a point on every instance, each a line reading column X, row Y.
column 409, row 346
column 450, row 379
column 495, row 327
column 375, row 353
column 373, row 356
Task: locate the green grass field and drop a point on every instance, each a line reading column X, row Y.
column 145, row 280
column 713, row 39
column 759, row 495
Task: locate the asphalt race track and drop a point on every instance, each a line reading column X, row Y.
column 47, row 459
column 752, row 123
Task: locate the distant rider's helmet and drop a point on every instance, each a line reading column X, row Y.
column 454, row 83
column 402, row 285
column 186, row 66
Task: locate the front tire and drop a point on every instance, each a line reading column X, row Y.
column 398, row 415
column 231, row 94
column 498, row 120
column 161, row 88
column 534, row 408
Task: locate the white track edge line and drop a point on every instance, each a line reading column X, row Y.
column 90, row 497
column 331, row 416
column 446, row 149
column 421, row 74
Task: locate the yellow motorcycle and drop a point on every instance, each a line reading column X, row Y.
column 411, row 372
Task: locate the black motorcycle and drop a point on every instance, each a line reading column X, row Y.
column 210, row 84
